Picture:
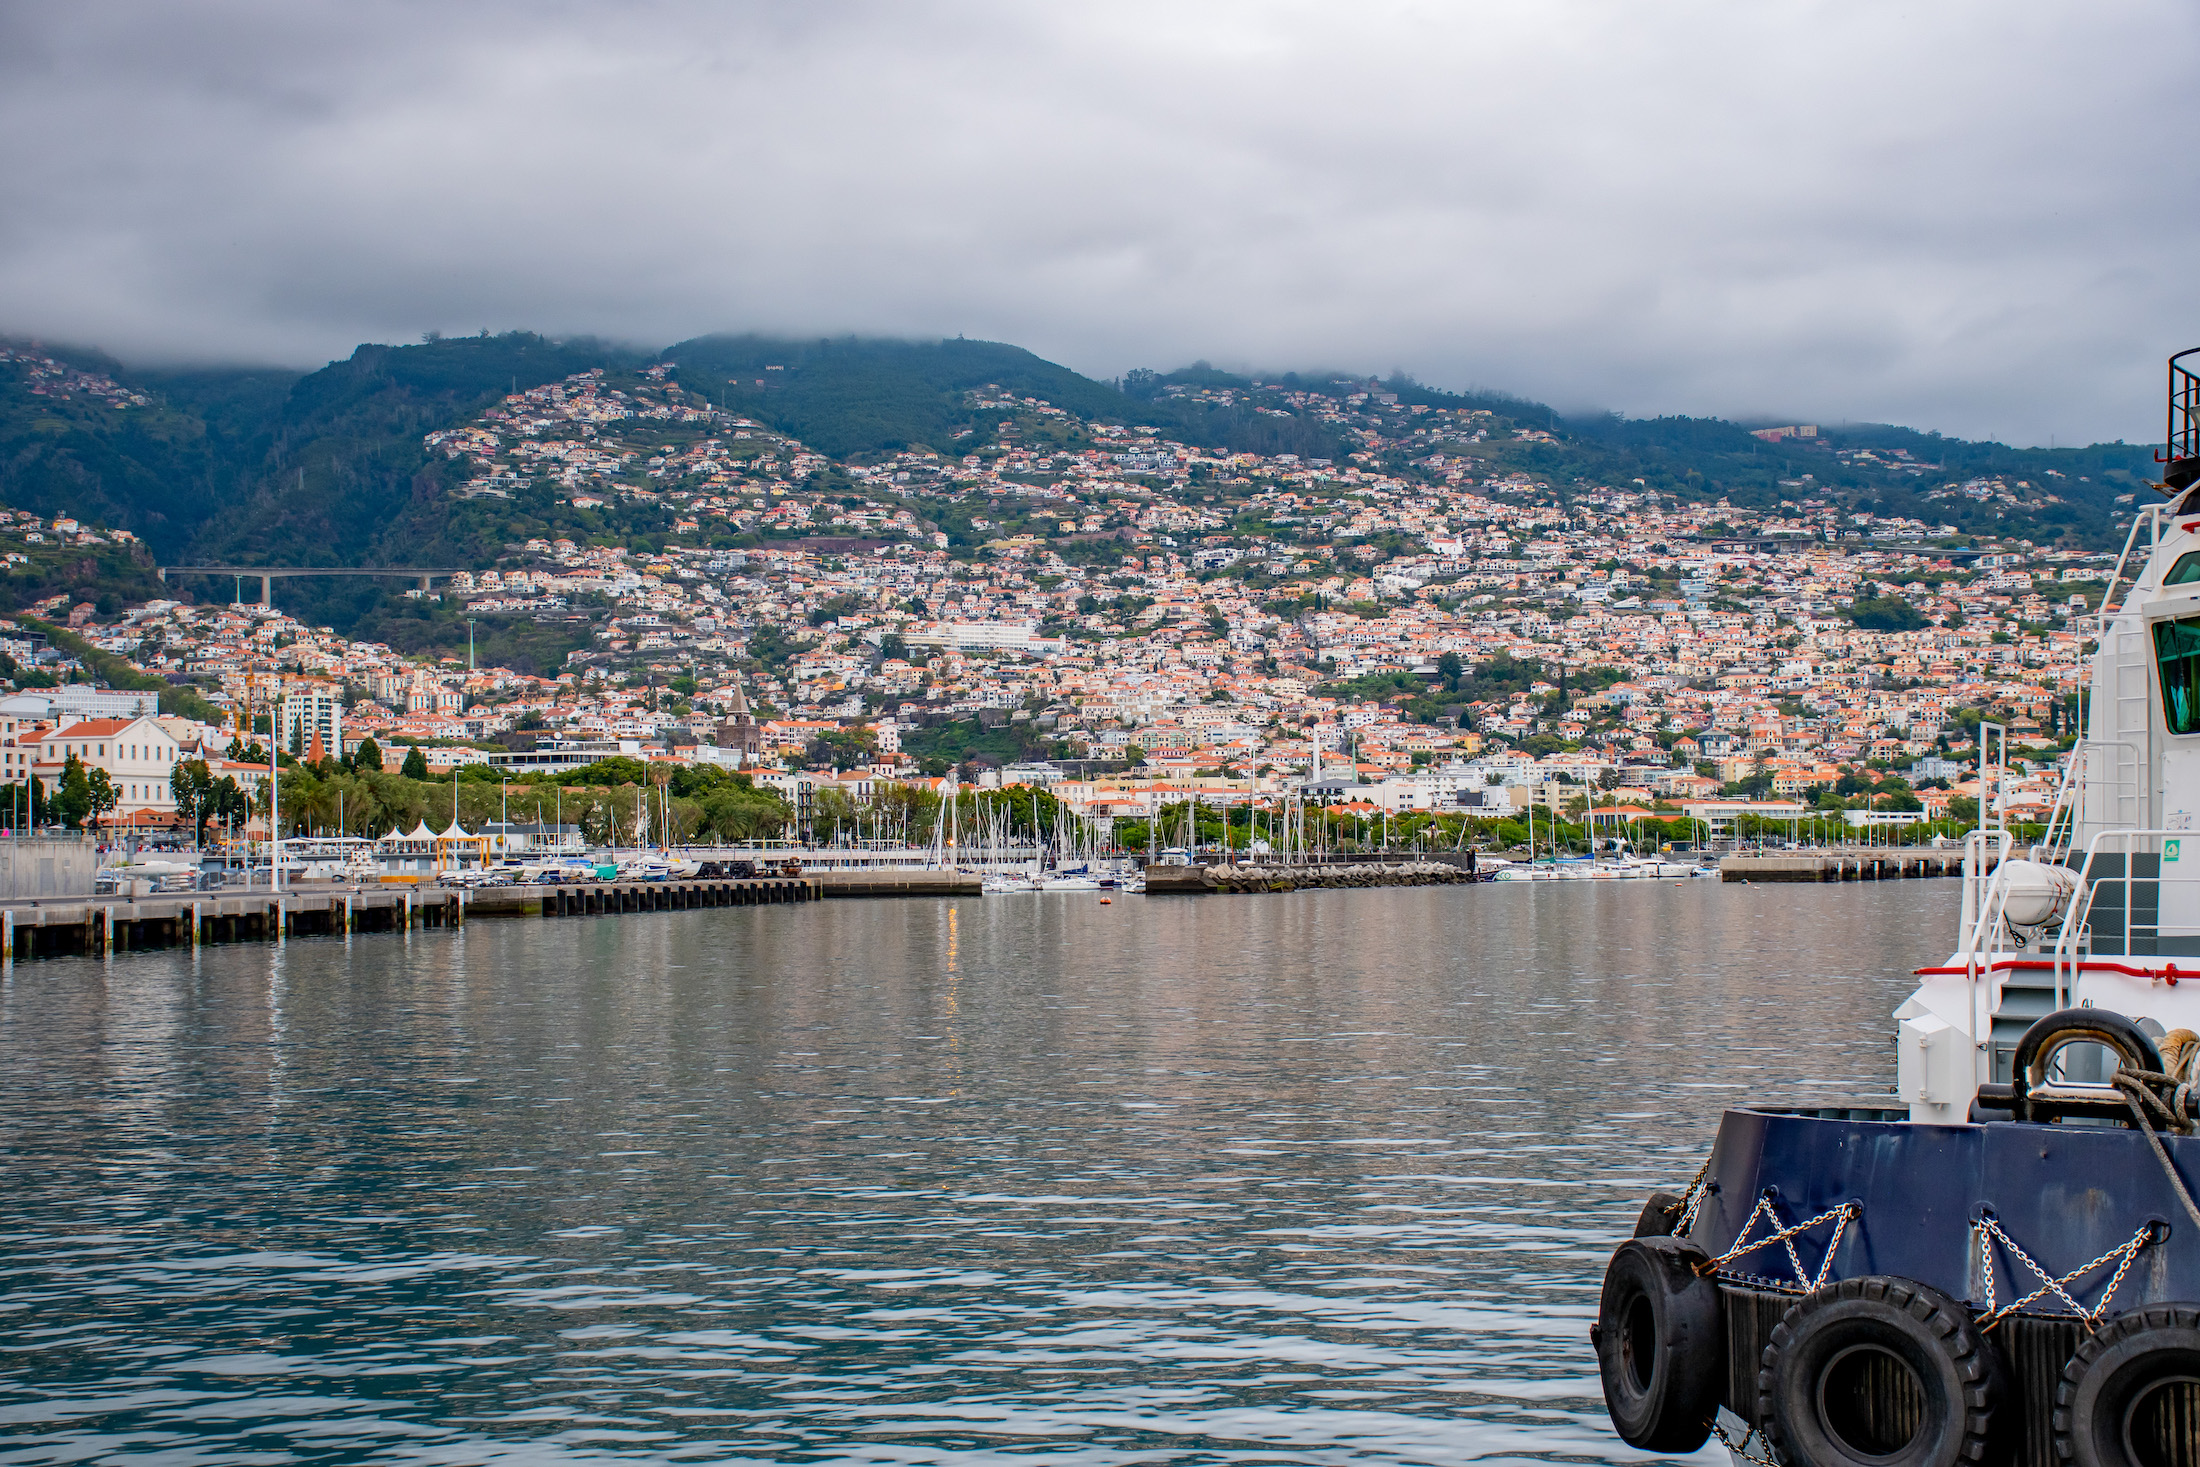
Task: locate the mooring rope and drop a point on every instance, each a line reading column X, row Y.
column 2135, row 1086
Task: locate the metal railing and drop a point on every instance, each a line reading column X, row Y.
column 1984, row 896
column 2150, row 519
column 2062, row 820
column 2073, row 944
column 2077, row 782
column 2181, row 438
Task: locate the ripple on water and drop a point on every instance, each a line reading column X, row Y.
column 1324, row 1178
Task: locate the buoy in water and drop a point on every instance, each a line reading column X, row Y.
column 1105, row 900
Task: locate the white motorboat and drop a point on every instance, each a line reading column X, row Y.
column 1067, row 881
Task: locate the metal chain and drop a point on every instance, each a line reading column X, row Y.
column 1741, row 1448
column 1833, row 1246
column 1844, row 1212
column 1692, row 1199
column 1988, row 1227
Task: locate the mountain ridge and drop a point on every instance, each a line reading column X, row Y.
column 253, row 465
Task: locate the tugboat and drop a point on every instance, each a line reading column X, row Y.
column 2001, row 1262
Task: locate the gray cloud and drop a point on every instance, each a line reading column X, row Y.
column 1965, row 216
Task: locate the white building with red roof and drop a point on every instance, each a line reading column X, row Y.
column 138, row 754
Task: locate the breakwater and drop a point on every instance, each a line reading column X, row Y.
column 1238, row 879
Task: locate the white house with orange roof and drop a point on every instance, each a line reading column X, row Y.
column 138, row 754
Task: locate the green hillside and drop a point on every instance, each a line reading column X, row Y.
column 856, row 396
column 1857, row 465
column 160, row 468
column 276, row 467
column 344, row 479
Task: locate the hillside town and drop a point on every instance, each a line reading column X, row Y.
column 1125, row 618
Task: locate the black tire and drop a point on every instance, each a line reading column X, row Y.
column 1884, row 1372
column 2130, row 1397
column 1661, row 1215
column 1660, row 1345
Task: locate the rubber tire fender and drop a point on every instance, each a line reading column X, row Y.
column 2110, row 1374
column 1968, row 1407
column 1661, row 1215
column 1660, row 1342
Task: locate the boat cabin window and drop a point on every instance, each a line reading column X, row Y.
column 2186, row 571
column 2177, row 650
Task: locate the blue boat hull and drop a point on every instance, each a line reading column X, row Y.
column 2065, row 1194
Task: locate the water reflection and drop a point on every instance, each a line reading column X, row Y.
column 1319, row 1178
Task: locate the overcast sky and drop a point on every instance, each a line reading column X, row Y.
column 1971, row 217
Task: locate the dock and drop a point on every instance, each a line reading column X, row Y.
column 1244, row 878
column 1887, row 863
column 95, row 926
column 890, row 881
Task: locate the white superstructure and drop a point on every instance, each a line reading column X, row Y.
column 2104, row 912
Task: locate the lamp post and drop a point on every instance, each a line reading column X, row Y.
column 274, row 806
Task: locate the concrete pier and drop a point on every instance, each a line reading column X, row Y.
column 1202, row 880
column 100, row 925
column 1881, row 863
column 892, row 882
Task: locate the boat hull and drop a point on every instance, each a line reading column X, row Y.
column 2066, row 1194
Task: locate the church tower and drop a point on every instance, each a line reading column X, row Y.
column 739, row 731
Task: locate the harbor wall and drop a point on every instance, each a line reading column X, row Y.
column 53, row 925
column 43, row 866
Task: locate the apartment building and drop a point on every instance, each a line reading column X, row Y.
column 306, row 715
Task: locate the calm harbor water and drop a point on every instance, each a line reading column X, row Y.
column 1324, row 1178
